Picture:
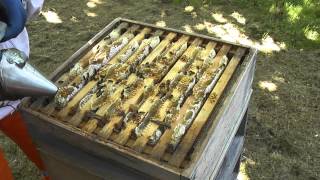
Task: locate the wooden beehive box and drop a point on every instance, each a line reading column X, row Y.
column 151, row 101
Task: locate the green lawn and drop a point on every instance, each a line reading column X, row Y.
column 283, row 136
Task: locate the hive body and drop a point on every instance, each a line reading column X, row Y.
column 145, row 92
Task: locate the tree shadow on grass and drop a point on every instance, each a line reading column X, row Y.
column 295, row 22
column 282, row 134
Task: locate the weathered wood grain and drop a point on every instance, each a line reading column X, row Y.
column 50, row 108
column 76, row 119
column 107, row 130
column 132, row 61
column 206, row 110
column 164, row 141
column 125, row 134
column 152, row 127
column 85, row 90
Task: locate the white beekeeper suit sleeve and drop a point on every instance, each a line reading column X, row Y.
column 21, row 42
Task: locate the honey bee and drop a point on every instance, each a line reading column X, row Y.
column 76, row 70
column 148, row 90
column 213, row 97
column 61, row 98
column 184, row 82
column 164, row 87
column 109, row 70
column 155, row 137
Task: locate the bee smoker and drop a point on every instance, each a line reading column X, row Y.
column 19, row 79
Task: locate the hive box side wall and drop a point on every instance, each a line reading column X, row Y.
column 58, row 169
column 231, row 163
column 44, row 131
column 58, row 156
column 225, row 121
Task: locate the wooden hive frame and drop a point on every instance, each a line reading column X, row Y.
column 183, row 162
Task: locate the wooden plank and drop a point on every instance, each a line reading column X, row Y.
column 146, row 44
column 160, row 48
column 91, row 125
column 152, row 127
column 100, row 49
column 152, row 101
column 76, row 119
column 50, row 108
column 108, row 128
column 137, row 97
column 164, row 141
column 93, row 52
column 114, row 35
column 97, row 53
column 87, row 88
column 223, row 124
column 66, row 65
column 132, row 61
column 206, row 110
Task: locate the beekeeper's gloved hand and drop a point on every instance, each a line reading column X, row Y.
column 12, row 19
column 3, row 28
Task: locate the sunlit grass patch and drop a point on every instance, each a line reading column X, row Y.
column 293, row 12
column 238, row 17
column 161, row 23
column 270, row 86
column 188, row 28
column 188, row 9
column 91, row 4
column 51, row 17
column 219, row 17
column 91, row 14
column 311, row 34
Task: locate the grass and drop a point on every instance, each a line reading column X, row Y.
column 22, row 168
column 283, row 131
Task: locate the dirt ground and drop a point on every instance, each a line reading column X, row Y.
column 283, row 136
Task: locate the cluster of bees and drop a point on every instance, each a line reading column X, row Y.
column 120, row 77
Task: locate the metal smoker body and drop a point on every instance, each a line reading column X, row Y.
column 19, row 79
